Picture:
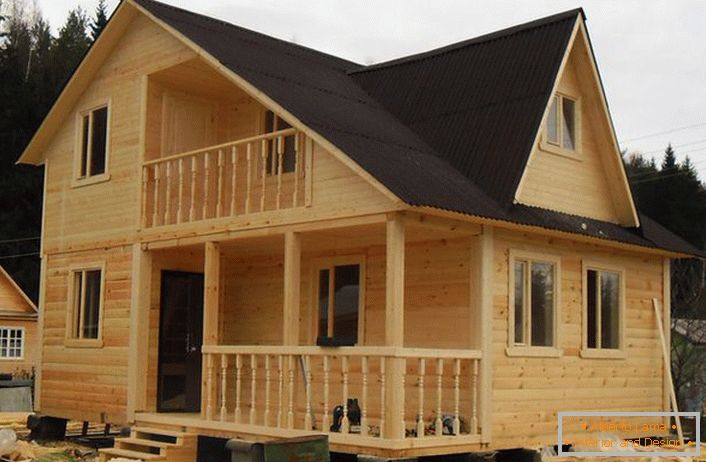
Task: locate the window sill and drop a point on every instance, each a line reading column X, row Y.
column 534, row 351
column 11, row 359
column 602, row 353
column 559, row 151
column 90, row 180
column 83, row 343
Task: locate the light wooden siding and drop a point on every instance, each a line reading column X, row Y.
column 578, row 185
column 107, row 211
column 27, row 363
column 527, row 392
column 87, row 383
column 11, row 300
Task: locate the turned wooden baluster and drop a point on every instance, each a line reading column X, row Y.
column 145, row 183
column 308, row 424
column 224, row 374
column 457, row 396
column 326, row 422
column 238, row 386
column 280, row 389
column 209, row 387
column 345, row 423
column 280, row 155
column 382, row 396
column 364, row 397
column 297, row 169
column 474, row 397
column 206, row 174
column 219, row 198
column 180, row 198
column 290, row 410
column 263, row 192
column 248, row 177
column 155, row 211
column 168, row 192
column 192, row 192
column 439, row 422
column 253, row 388
column 420, row 384
column 233, row 178
column 266, row 416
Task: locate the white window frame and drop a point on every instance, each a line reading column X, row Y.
column 89, row 179
column 21, row 357
column 514, row 349
column 608, row 353
column 329, row 263
column 558, row 146
column 74, row 309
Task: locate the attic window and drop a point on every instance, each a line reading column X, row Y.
column 93, row 143
column 562, row 123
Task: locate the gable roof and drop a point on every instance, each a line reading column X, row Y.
column 10, row 295
column 461, row 147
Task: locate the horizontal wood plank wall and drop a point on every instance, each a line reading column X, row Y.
column 87, row 383
column 106, row 212
column 576, row 185
column 527, row 392
column 27, row 363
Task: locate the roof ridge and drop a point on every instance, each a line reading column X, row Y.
column 310, row 50
column 484, row 38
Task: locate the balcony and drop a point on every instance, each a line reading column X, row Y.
column 255, row 175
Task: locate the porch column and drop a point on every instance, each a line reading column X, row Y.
column 482, row 322
column 139, row 331
column 292, row 288
column 211, row 314
column 394, row 327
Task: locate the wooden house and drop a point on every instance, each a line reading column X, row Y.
column 242, row 234
column 18, row 329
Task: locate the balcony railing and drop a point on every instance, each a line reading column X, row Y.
column 264, row 173
column 309, row 388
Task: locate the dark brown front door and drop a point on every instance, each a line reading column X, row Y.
column 180, row 335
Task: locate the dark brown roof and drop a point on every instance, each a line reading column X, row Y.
column 450, row 128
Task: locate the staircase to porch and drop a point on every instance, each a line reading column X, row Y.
column 148, row 444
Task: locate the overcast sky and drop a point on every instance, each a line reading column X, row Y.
column 651, row 54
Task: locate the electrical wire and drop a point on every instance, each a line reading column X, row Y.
column 7, row 257
column 665, row 132
column 22, row 239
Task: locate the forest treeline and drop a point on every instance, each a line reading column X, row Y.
column 35, row 64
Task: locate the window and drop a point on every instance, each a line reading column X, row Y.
column 562, row 123
column 273, row 124
column 93, row 148
column 87, row 294
column 603, row 309
column 11, row 343
column 534, row 300
column 339, row 301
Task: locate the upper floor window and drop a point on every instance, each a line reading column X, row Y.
column 86, row 303
column 562, row 125
column 93, row 142
column 11, row 343
column 533, row 317
column 603, row 306
column 339, row 303
column 284, row 146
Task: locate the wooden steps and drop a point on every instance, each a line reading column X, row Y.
column 153, row 444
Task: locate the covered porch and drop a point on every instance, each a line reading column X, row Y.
column 374, row 331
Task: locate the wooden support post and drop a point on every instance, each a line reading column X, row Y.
column 139, row 334
column 667, row 316
column 211, row 309
column 292, row 284
column 666, row 358
column 394, row 328
column 481, row 306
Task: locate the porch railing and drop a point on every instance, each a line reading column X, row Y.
column 258, row 174
column 309, row 388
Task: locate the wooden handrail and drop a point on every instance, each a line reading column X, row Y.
column 371, row 351
column 216, row 147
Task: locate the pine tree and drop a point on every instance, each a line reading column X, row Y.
column 100, row 20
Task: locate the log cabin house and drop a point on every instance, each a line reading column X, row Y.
column 18, row 329
column 242, row 234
